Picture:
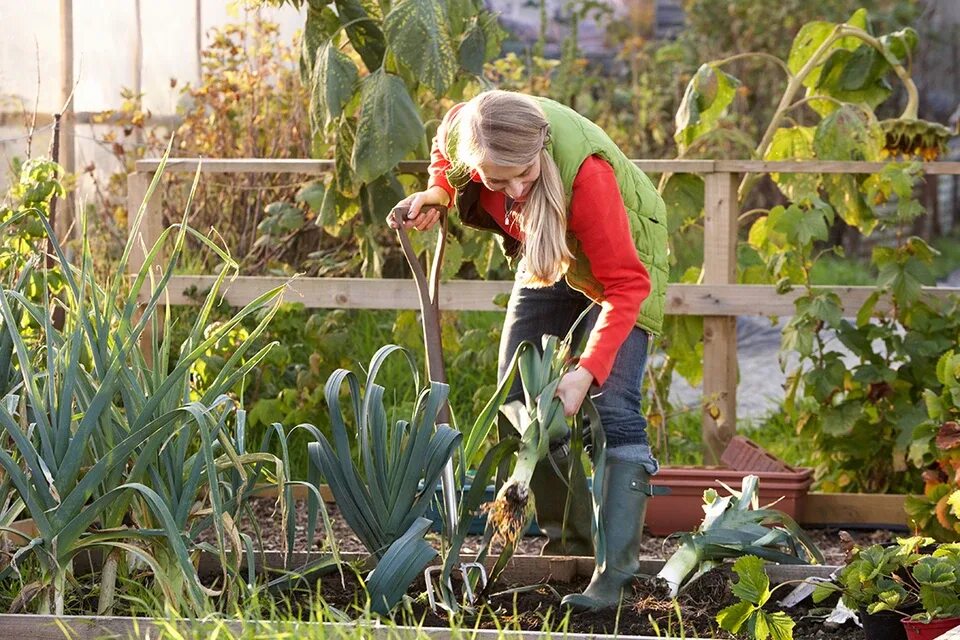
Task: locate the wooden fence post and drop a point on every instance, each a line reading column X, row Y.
column 151, row 226
column 719, row 332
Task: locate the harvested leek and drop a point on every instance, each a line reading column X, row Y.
column 539, row 419
column 734, row 526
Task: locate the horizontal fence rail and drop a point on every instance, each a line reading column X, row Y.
column 719, row 299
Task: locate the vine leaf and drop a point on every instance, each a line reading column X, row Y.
column 363, row 30
column 418, row 35
column 385, row 106
column 334, row 82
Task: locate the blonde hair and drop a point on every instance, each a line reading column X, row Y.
column 510, row 129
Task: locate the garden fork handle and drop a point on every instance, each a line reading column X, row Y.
column 428, row 292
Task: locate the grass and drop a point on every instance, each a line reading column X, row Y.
column 771, row 432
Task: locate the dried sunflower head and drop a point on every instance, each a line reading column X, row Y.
column 919, row 139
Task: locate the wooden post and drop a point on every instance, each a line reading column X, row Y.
column 198, row 38
column 719, row 332
column 67, row 156
column 151, row 226
column 137, row 66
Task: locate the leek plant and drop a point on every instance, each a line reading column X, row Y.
column 538, row 420
column 384, row 494
column 735, row 526
column 113, row 447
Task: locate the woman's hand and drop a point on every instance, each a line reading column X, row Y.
column 573, row 388
column 421, row 215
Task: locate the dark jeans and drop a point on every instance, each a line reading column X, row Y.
column 533, row 312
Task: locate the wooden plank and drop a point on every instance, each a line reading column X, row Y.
column 824, row 166
column 719, row 332
column 763, row 300
column 38, row 627
column 346, row 293
column 300, row 492
column 853, row 509
column 137, row 185
column 21, row 118
column 477, row 295
column 306, row 166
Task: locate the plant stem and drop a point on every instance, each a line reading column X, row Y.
column 793, row 86
column 108, row 583
column 755, row 54
column 58, row 589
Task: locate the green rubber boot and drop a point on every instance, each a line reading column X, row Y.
column 550, row 492
column 626, row 488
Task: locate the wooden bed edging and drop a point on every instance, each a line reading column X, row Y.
column 819, row 509
column 38, row 627
column 522, row 569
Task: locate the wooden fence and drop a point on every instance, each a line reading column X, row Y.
column 719, row 299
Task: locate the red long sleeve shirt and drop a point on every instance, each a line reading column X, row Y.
column 598, row 219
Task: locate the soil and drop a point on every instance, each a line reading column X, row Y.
column 656, row 548
column 645, row 611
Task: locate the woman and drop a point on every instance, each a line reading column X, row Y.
column 585, row 226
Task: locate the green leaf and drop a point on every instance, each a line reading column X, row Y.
column 379, row 196
column 403, row 562
column 847, row 134
column 344, row 178
column 898, row 46
column 473, row 50
column 320, row 25
column 706, row 98
column 865, row 313
column 846, row 197
column 809, row 40
column 802, row 226
column 794, row 143
column 418, row 36
column 312, row 194
column 733, row 617
column 334, row 82
column 838, row 79
column 778, row 625
column 934, row 572
column 363, row 31
column 806, row 43
column 452, row 258
column 683, row 196
column 385, row 106
column 754, row 585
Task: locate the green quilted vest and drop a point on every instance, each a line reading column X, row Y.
column 573, row 139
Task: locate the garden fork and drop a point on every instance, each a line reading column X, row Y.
column 428, row 292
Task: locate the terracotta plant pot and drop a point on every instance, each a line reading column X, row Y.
column 743, row 454
column 918, row 630
column 682, row 510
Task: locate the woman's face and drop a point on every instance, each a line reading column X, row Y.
column 513, row 181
